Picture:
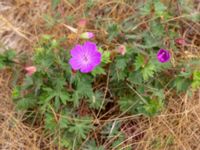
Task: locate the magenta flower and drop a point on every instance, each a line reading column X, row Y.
column 163, row 55
column 85, row 57
column 87, row 35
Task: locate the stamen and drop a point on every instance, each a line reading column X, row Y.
column 85, row 58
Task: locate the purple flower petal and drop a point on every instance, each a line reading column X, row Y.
column 76, row 51
column 163, row 55
column 90, row 46
column 75, row 64
column 87, row 68
column 96, row 59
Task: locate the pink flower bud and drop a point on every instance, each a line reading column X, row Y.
column 87, row 35
column 121, row 49
column 30, row 70
column 180, row 41
column 82, row 23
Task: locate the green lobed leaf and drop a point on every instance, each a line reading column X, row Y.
column 151, row 108
column 54, row 3
column 196, row 79
column 81, row 127
column 98, row 71
column 148, row 71
column 139, row 62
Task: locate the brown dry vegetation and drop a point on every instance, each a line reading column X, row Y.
column 21, row 24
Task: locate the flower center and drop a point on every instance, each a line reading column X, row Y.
column 85, row 59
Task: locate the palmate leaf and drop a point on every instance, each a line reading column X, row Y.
column 58, row 82
column 6, row 58
column 63, row 122
column 27, row 102
column 156, row 5
column 28, row 82
column 135, row 77
column 91, row 145
column 182, row 84
column 113, row 31
column 160, row 8
column 44, row 59
column 10, row 54
column 121, row 75
column 121, row 63
column 16, row 93
column 47, row 94
column 98, row 71
column 66, row 143
column 146, row 8
column 2, row 65
column 64, row 97
column 81, row 127
column 196, row 79
column 153, row 37
column 148, row 71
column 75, row 99
column 195, row 84
column 139, row 62
column 54, row 3
column 119, row 72
column 96, row 100
column 149, row 41
column 151, row 108
column 196, row 75
column 50, row 122
column 90, row 4
column 105, row 57
column 57, row 97
column 157, row 30
column 84, row 88
column 67, row 140
column 128, row 104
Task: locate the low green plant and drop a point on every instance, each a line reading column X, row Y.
column 134, row 82
column 7, row 58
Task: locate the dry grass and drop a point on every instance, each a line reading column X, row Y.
column 18, row 23
column 13, row 133
column 21, row 24
column 177, row 128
